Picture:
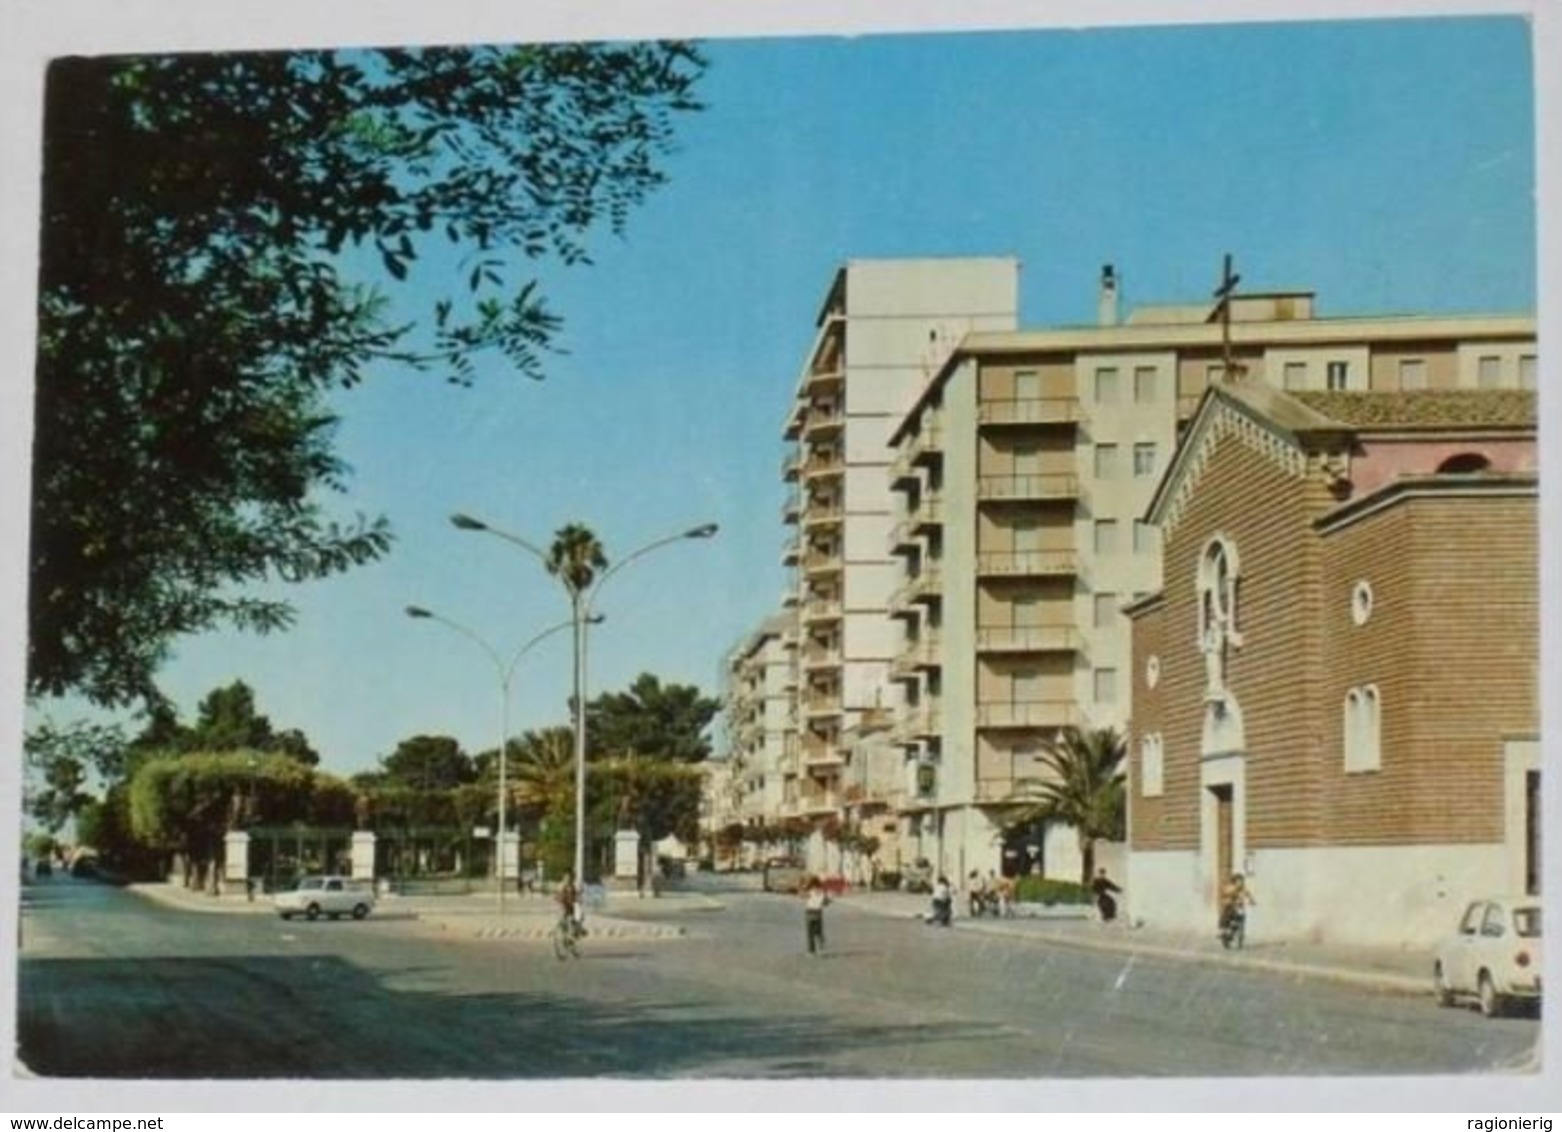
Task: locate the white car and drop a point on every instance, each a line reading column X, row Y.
column 325, row 896
column 1495, row 957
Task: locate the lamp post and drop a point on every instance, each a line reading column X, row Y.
column 581, row 600
column 506, row 672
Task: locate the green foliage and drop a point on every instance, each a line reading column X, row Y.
column 575, row 557
column 226, row 720
column 428, row 763
column 38, row 844
column 60, row 760
column 1084, row 789
column 651, row 720
column 203, row 218
column 1042, row 890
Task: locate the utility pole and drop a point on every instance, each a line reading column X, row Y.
column 1231, row 370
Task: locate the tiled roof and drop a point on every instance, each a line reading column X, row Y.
column 1433, row 408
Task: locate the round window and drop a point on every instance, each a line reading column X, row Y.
column 1361, row 602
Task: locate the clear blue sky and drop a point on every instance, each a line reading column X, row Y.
column 1388, row 165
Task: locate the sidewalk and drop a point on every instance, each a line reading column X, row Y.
column 474, row 915
column 1400, row 970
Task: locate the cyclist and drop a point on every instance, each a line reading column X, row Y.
column 568, row 897
column 1235, row 896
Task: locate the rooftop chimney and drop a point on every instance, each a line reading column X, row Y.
column 1107, row 306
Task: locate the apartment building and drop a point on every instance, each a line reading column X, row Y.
column 1336, row 689
column 760, row 745
column 1023, row 471
column 884, row 328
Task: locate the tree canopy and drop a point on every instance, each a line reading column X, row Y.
column 220, row 240
column 1084, row 788
column 651, row 720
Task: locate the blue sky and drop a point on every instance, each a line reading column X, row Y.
column 1387, row 164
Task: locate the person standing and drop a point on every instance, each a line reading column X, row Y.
column 943, row 902
column 814, row 900
column 1105, row 892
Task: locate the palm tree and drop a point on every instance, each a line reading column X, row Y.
column 575, row 558
column 543, row 762
column 1085, row 789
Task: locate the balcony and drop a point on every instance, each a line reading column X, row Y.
column 903, row 468
column 820, row 515
column 902, row 537
column 1033, row 638
column 828, row 376
column 1029, row 411
column 823, row 420
column 816, row 467
column 791, row 464
column 791, row 551
column 1036, row 713
column 1028, row 488
column 926, row 445
column 821, row 705
column 820, row 657
column 928, row 513
column 822, row 755
column 818, row 610
column 1028, row 564
column 794, row 421
column 819, row 801
column 792, row 507
column 926, row 586
column 818, row 563
column 994, row 790
column 925, row 722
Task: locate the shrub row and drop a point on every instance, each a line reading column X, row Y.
column 1044, row 890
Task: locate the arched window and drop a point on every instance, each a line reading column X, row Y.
column 1151, row 764
column 1463, row 464
column 1216, row 584
column 1363, row 730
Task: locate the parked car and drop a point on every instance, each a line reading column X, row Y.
column 317, row 896
column 783, row 875
column 1494, row 958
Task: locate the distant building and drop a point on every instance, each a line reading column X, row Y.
column 967, row 516
column 1336, row 689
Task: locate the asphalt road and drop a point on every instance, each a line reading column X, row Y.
column 114, row 986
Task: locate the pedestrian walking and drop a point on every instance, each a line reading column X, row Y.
column 943, row 902
column 814, row 900
column 1104, row 891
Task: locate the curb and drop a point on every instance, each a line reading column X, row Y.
column 1386, row 981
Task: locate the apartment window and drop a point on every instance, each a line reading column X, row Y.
column 1412, row 374
column 1488, row 372
column 1527, row 371
column 1337, row 375
column 1027, row 385
column 1106, row 611
column 1144, row 537
column 1106, row 536
column 1106, row 461
column 1144, row 460
column 1106, row 386
column 1144, row 384
column 1151, row 767
column 1294, row 375
column 1106, row 685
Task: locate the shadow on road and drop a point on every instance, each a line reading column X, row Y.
column 254, row 1017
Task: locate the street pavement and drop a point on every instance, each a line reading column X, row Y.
column 111, row 986
column 624, row 915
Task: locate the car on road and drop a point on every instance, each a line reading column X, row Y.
column 316, row 896
column 784, row 875
column 1494, row 958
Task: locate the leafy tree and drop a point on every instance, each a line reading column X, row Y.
column 210, row 225
column 184, row 804
column 428, row 763
column 652, row 720
column 226, row 720
column 61, row 761
column 1084, row 789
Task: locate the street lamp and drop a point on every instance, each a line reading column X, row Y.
column 580, row 616
column 506, row 672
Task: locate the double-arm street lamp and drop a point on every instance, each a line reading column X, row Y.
column 582, row 600
column 505, row 670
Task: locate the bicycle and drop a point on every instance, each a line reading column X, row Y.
column 566, row 938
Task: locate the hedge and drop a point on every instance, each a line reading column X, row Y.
column 1042, row 890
